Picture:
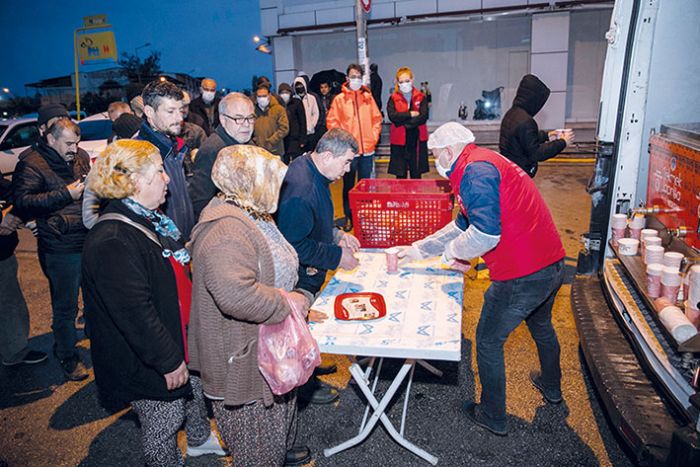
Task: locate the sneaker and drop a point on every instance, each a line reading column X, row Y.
column 553, row 396
column 73, row 368
column 473, row 415
column 298, row 455
column 32, row 357
column 210, row 446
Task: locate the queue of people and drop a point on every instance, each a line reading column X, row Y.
column 173, row 325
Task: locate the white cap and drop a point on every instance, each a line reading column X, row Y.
column 448, row 134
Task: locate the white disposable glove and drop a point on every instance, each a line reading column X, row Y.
column 408, row 254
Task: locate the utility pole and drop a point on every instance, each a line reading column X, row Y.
column 361, row 10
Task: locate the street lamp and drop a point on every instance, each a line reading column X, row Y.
column 264, row 45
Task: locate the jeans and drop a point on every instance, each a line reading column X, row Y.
column 363, row 167
column 14, row 316
column 63, row 273
column 506, row 305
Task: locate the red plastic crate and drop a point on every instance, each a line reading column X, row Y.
column 388, row 212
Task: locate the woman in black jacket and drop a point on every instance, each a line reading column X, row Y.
column 407, row 109
column 134, row 284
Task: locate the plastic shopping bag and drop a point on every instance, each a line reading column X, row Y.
column 287, row 353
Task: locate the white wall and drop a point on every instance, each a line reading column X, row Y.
column 458, row 59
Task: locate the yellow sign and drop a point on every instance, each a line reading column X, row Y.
column 94, row 20
column 97, row 46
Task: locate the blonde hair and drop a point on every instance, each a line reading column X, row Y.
column 250, row 176
column 399, row 72
column 111, row 175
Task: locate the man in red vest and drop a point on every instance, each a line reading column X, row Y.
column 503, row 219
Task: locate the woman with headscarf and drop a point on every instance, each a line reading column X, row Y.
column 407, row 109
column 241, row 261
column 136, row 297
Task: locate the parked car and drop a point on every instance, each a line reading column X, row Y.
column 18, row 134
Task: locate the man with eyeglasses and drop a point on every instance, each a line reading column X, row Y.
column 236, row 124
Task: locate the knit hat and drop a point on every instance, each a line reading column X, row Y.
column 449, row 134
column 49, row 111
column 126, row 125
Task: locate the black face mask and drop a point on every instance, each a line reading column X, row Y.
column 300, row 90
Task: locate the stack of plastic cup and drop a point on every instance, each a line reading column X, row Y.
column 670, row 283
column 647, row 242
column 618, row 224
column 654, row 254
column 646, row 233
column 636, row 226
column 692, row 311
column 654, row 272
column 673, row 259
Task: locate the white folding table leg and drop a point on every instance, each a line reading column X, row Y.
column 405, row 399
column 379, row 408
column 429, row 367
column 374, row 387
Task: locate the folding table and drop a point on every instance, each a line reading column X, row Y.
column 423, row 321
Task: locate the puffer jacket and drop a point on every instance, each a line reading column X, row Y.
column 521, row 140
column 357, row 113
column 39, row 191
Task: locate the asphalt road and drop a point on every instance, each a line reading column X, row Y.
column 47, row 422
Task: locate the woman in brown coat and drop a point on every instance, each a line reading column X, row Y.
column 241, row 260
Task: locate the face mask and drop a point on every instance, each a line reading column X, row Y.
column 406, row 87
column 263, row 102
column 442, row 170
column 355, row 83
column 285, row 97
column 208, row 96
column 300, row 90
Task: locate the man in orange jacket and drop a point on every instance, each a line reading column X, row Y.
column 355, row 111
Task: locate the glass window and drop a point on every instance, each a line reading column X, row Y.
column 94, row 130
column 21, row 135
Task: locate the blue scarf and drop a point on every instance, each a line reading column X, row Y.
column 165, row 227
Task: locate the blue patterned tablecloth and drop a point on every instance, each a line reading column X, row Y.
column 424, row 311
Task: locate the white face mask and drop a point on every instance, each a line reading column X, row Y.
column 406, row 87
column 442, row 170
column 285, row 97
column 263, row 102
column 208, row 96
column 355, row 83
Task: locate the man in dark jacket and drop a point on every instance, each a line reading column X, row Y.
column 48, row 186
column 162, row 107
column 375, row 84
column 207, row 105
column 296, row 138
column 521, row 140
column 14, row 318
column 237, row 120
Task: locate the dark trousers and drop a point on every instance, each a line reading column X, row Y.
column 14, row 317
column 360, row 168
column 63, row 273
column 506, row 305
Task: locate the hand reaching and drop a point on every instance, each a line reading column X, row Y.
column 349, row 241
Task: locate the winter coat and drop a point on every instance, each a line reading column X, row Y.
column 296, row 139
column 271, row 126
column 233, row 293
column 357, row 113
column 202, row 189
column 406, row 130
column 8, row 242
column 198, row 107
column 132, row 310
column 39, row 191
column 521, row 140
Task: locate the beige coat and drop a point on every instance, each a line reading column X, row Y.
column 233, row 293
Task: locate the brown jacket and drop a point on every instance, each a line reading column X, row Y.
column 233, row 293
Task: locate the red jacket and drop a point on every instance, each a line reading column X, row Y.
column 397, row 134
column 357, row 113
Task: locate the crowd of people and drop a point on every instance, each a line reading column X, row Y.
column 184, row 230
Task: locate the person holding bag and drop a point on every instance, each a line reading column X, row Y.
column 241, row 262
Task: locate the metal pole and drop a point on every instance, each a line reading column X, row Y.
column 361, row 33
column 77, row 78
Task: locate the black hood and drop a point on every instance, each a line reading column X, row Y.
column 532, row 94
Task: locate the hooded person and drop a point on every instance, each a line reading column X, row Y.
column 521, row 140
column 295, row 140
column 312, row 108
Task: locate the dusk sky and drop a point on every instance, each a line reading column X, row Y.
column 202, row 38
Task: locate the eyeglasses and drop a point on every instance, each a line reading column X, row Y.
column 250, row 120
